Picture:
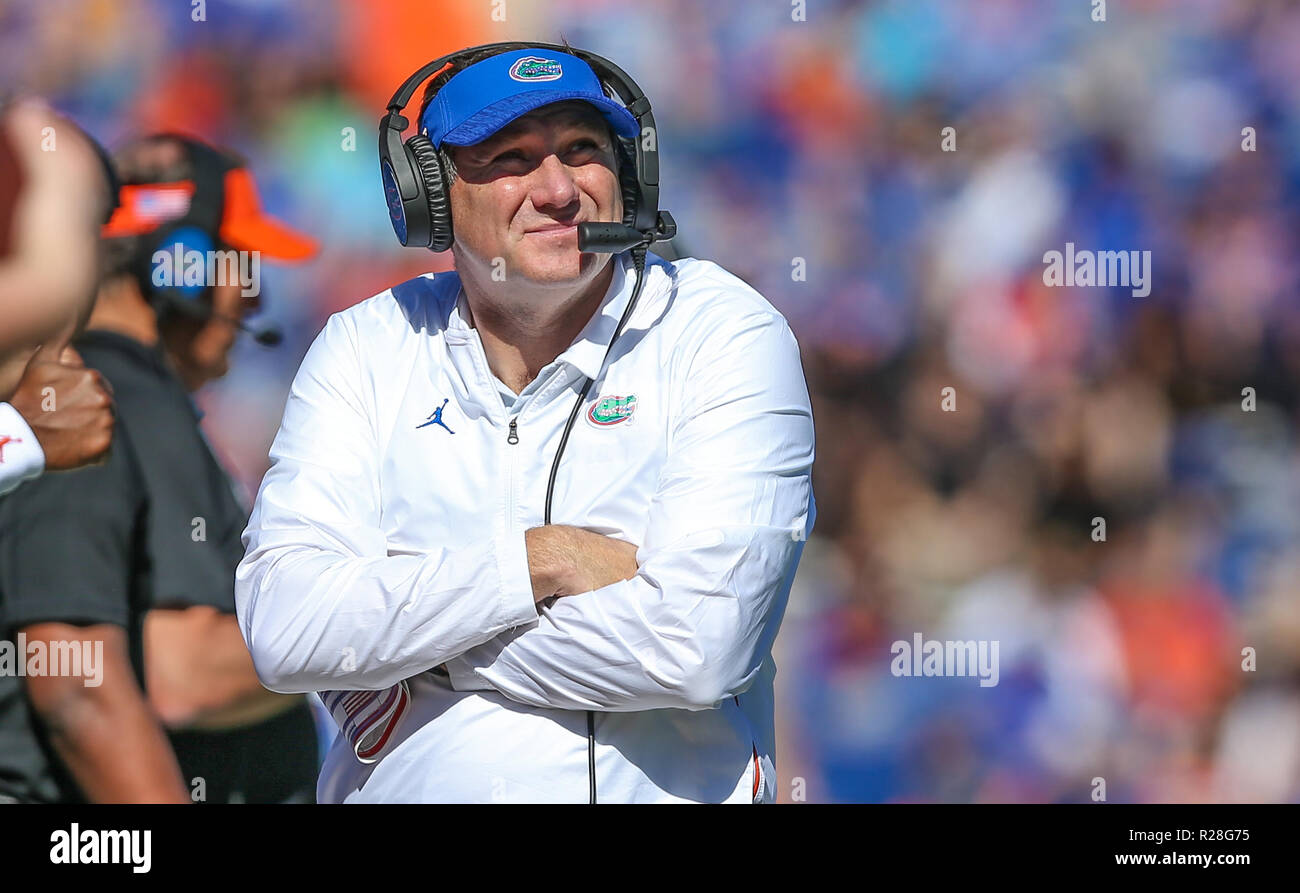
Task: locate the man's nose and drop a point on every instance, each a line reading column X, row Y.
column 553, row 185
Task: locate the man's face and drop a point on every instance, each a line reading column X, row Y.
column 519, row 194
column 201, row 348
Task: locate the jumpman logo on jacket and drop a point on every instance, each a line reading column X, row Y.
column 5, row 439
column 435, row 418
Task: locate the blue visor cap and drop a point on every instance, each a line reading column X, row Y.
column 488, row 95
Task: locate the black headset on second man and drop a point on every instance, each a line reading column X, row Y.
column 416, row 191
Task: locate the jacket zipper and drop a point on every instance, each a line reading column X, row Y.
column 510, row 478
column 514, row 431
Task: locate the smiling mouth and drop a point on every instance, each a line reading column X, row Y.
column 555, row 228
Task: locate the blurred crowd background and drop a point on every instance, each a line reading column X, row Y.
column 815, row 145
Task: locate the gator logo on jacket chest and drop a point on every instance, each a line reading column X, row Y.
column 612, row 410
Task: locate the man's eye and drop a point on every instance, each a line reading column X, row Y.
column 579, row 146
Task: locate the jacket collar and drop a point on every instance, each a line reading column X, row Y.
column 587, row 351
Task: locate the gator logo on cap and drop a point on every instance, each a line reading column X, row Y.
column 535, row 68
column 611, row 410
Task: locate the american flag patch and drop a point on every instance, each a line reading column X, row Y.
column 368, row 718
column 153, row 204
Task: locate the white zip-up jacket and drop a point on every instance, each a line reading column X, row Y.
column 388, row 539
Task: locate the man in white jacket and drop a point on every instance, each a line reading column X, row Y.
column 399, row 559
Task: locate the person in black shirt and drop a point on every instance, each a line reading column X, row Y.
column 130, row 564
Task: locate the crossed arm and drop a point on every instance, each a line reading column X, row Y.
column 567, row 560
column 324, row 607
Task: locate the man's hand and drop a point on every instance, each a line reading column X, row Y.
column 565, row 560
column 68, row 407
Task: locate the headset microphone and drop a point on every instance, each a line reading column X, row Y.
column 267, row 337
column 607, row 238
column 270, row 336
column 613, row 238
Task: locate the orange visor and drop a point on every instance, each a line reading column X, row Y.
column 243, row 225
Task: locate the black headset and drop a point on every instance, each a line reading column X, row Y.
column 416, row 191
column 416, row 188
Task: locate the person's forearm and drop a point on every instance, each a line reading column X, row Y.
column 690, row 630
column 116, row 751
column 33, row 326
column 567, row 560
column 226, row 691
column 379, row 620
column 48, row 277
column 12, row 365
column 249, row 711
column 100, row 724
column 200, row 674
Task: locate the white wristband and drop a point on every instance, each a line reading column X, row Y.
column 21, row 456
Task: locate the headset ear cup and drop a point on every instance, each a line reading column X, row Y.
column 415, row 210
column 428, row 167
column 172, row 245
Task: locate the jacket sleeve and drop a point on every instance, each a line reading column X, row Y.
column 726, row 528
column 321, row 603
column 21, row 456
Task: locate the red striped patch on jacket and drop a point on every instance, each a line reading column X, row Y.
column 368, row 718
